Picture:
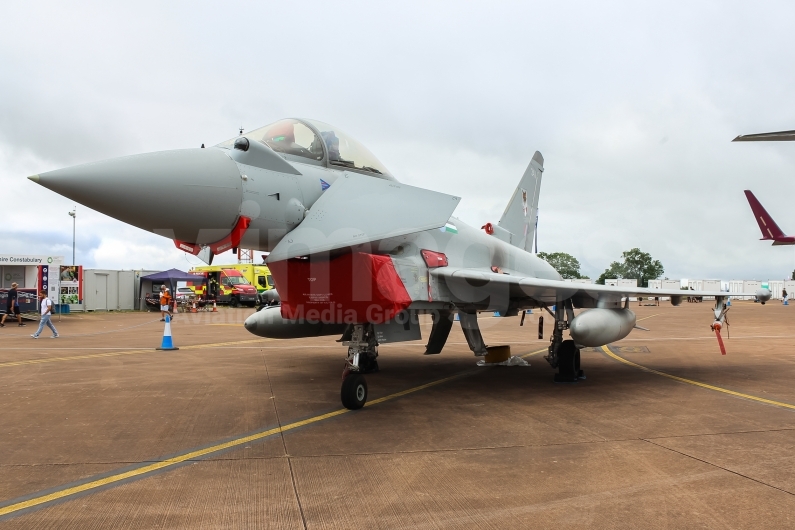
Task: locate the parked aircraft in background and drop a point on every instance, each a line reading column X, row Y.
column 353, row 252
column 769, row 228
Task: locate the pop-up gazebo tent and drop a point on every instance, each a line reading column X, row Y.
column 169, row 278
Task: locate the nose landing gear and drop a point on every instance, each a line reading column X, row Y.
column 361, row 359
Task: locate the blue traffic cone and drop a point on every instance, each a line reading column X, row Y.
column 167, row 344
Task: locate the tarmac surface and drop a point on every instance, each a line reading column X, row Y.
column 100, row 430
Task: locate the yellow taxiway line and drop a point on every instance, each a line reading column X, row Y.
column 118, row 353
column 698, row 383
column 199, row 453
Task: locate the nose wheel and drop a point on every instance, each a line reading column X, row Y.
column 362, row 354
column 354, row 391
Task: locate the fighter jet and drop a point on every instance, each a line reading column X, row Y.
column 354, row 252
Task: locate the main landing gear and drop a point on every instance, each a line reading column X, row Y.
column 564, row 354
column 361, row 359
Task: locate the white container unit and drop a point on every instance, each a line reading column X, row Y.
column 750, row 287
column 710, row 285
column 789, row 285
column 628, row 282
column 108, row 290
column 736, row 289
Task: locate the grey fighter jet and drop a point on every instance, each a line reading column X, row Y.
column 355, row 253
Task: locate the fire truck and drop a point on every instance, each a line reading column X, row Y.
column 223, row 284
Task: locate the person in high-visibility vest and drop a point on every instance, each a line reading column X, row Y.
column 165, row 303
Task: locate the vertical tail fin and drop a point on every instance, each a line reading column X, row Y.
column 769, row 228
column 519, row 218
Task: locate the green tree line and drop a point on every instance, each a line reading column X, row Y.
column 634, row 264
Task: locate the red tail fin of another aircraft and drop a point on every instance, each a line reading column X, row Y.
column 769, row 228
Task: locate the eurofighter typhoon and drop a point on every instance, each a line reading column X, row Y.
column 355, row 253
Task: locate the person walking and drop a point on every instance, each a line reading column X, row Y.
column 46, row 313
column 165, row 303
column 784, row 297
column 12, row 304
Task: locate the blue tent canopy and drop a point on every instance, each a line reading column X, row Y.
column 170, row 279
column 173, row 275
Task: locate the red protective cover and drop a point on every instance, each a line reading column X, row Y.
column 434, row 259
column 349, row 289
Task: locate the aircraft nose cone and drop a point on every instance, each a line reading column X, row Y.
column 190, row 194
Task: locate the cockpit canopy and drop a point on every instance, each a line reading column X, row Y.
column 315, row 142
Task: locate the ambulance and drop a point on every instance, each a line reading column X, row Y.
column 257, row 275
column 224, row 284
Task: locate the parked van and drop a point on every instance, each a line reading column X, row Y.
column 224, row 285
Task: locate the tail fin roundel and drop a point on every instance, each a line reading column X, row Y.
column 519, row 218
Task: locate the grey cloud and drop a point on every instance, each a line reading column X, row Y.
column 453, row 97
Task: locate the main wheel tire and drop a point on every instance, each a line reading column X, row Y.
column 577, row 370
column 568, row 365
column 354, row 391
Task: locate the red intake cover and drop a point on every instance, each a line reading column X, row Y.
column 350, row 289
column 434, row 259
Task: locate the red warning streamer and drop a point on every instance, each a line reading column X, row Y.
column 720, row 341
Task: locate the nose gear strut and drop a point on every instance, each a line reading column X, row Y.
column 361, row 359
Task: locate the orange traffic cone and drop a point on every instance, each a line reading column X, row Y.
column 193, row 309
column 215, row 309
column 175, row 306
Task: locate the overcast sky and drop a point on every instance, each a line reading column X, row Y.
column 632, row 107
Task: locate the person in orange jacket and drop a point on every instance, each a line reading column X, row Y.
column 165, row 303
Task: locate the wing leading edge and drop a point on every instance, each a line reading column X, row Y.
column 358, row 211
column 780, row 136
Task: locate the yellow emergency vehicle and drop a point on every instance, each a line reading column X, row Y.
column 225, row 286
column 223, row 278
column 257, row 275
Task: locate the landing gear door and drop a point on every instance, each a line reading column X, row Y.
column 404, row 327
